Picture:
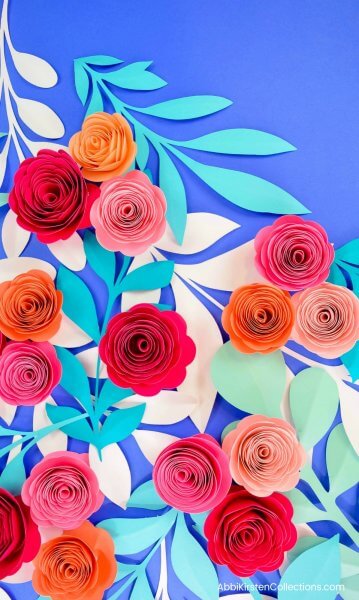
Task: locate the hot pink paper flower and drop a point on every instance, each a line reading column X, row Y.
column 129, row 215
column 147, row 349
column 293, row 253
column 265, row 455
column 29, row 371
column 62, row 490
column 327, row 319
column 192, row 474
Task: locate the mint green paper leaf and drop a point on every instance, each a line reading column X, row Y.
column 78, row 303
column 170, row 182
column 135, row 77
column 145, row 496
column 80, row 430
column 120, row 424
column 245, row 190
column 142, row 589
column 351, row 587
column 192, row 564
column 199, row 521
column 13, row 476
column 74, row 379
column 110, row 394
column 304, row 510
column 189, row 107
column 318, row 566
column 143, row 148
column 342, row 462
column 134, row 535
column 253, row 383
column 239, row 141
column 4, row 198
column 148, row 277
column 349, row 559
column 351, row 361
column 314, row 400
column 228, row 429
column 100, row 260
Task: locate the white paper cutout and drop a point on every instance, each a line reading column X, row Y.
column 165, row 408
column 11, row 267
column 152, row 443
column 14, row 237
column 69, row 335
column 55, row 441
column 88, row 359
column 113, row 473
column 129, row 299
column 7, row 411
column 34, row 69
column 70, row 252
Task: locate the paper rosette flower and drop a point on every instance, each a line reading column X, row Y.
column 62, row 490
column 249, row 534
column 19, row 537
column 192, row 474
column 50, row 196
column 258, row 318
column 147, row 349
column 104, row 147
column 129, row 215
column 78, row 565
column 30, row 307
column 293, row 253
column 265, row 455
column 327, row 319
column 29, row 371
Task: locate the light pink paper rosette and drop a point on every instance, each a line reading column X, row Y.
column 265, row 455
column 294, row 254
column 62, row 491
column 192, row 474
column 327, row 320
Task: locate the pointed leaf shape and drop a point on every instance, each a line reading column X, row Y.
column 135, row 77
column 82, row 81
column 314, row 400
column 34, row 69
column 145, row 496
column 143, row 148
column 351, row 587
column 351, row 361
column 304, row 510
column 100, row 60
column 342, row 462
column 13, row 476
column 70, row 252
column 240, row 141
column 110, row 394
column 74, row 379
column 170, row 181
column 120, row 424
column 349, row 559
column 142, row 589
column 117, row 489
column 11, row 267
column 14, row 237
column 129, row 299
column 70, row 335
column 191, row 563
column 80, row 430
column 4, row 198
column 165, row 408
column 149, row 277
column 152, row 443
column 40, row 118
column 189, row 107
column 100, row 260
column 50, row 443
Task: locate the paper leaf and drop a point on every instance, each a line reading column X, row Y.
column 100, row 60
column 143, row 148
column 40, row 118
column 253, row 383
column 165, row 408
column 110, row 394
column 202, row 231
column 13, row 475
column 70, row 252
column 134, row 535
column 170, row 182
column 55, row 441
column 129, row 299
column 88, row 358
column 149, row 277
column 69, row 335
column 4, row 595
column 199, row 521
column 349, row 409
column 304, row 510
column 35, row 147
column 342, row 462
column 314, row 401
column 23, row 575
column 135, row 77
column 203, row 329
column 80, row 430
column 118, row 488
column 78, row 302
column 7, row 411
column 345, row 268
column 100, row 260
column 142, row 589
column 34, row 69
column 11, row 267
column 120, row 424
column 152, row 443
column 191, row 563
column 189, row 107
column 4, row 198
column 318, row 566
column 14, row 237
column 349, row 559
column 351, row 361
column 240, row 141
column 351, row 587
column 74, row 379
column 145, row 496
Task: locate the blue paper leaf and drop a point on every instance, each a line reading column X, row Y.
column 100, row 260
column 110, row 394
column 351, row 361
column 74, row 379
column 80, row 430
column 142, row 590
column 318, row 566
column 191, row 563
column 149, row 277
column 78, row 303
column 240, row 141
column 145, row 496
column 120, row 424
column 134, row 535
column 189, row 107
column 171, row 183
column 135, row 77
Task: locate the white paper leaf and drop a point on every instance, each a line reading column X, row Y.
column 349, row 409
column 55, row 441
column 165, row 408
column 23, row 575
column 40, row 118
column 113, row 473
column 14, row 451
column 3, row 161
column 129, row 299
column 35, row 147
column 11, row 267
column 7, row 411
column 14, row 237
column 34, row 69
column 203, row 329
column 88, row 358
column 70, row 252
column 69, row 335
column 202, row 231
column 226, row 271
column 152, row 443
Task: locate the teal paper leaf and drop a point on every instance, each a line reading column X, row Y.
column 13, row 476
column 100, row 260
column 148, row 277
column 253, row 383
column 304, row 510
column 4, row 198
column 199, row 521
column 342, row 462
column 143, row 148
column 145, row 496
column 345, row 268
column 142, row 589
column 318, row 566
column 189, row 107
column 82, row 81
column 170, row 182
column 99, row 60
column 314, row 401
column 110, row 394
column 134, row 535
column 78, row 303
column 124, row 570
column 96, row 102
column 192, row 564
column 239, row 141
column 351, row 361
column 135, row 77
column 80, row 430
column 349, row 559
column 120, row 424
column 74, row 379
